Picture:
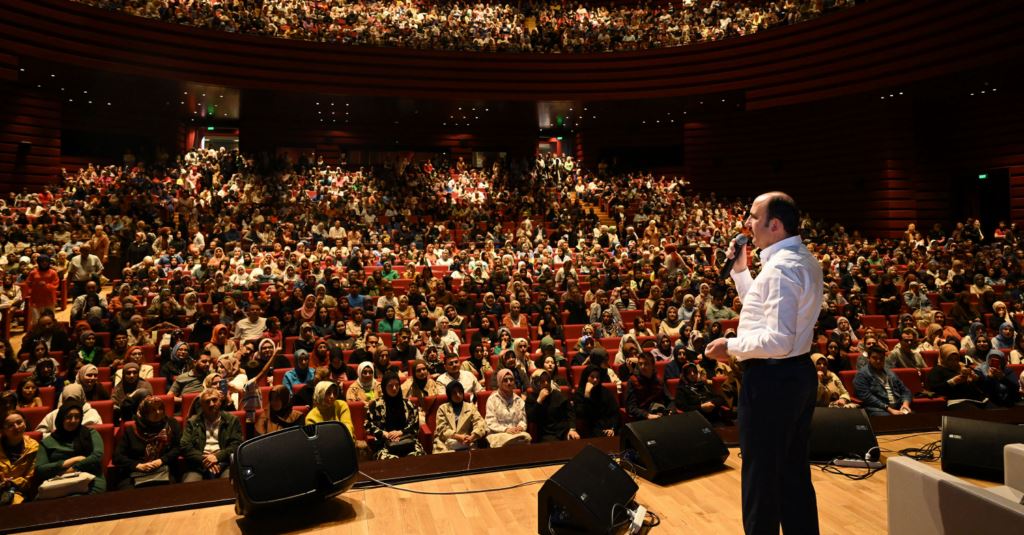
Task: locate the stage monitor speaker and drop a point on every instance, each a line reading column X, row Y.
column 974, row 448
column 293, row 464
column 589, row 494
column 674, row 443
column 838, row 433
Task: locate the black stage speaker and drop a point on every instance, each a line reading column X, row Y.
column 298, row 463
column 587, row 495
column 838, row 433
column 678, row 442
column 975, row 448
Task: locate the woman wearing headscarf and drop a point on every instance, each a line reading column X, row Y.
column 17, row 457
column 505, row 341
column 267, row 350
column 366, row 388
column 549, row 410
column 136, row 355
column 72, row 393
column 230, row 370
column 932, row 338
column 128, row 385
column 390, row 323
column 948, row 331
column 89, row 352
column 596, row 407
column 393, row 421
column 1004, row 339
column 280, row 414
column 645, row 394
column 843, row 326
column 176, row 361
column 506, row 413
column 974, row 332
column 328, row 408
column 459, row 424
column 221, row 343
column 520, row 376
column 150, row 445
column 307, row 312
column 301, row 374
column 831, row 391
column 88, row 377
column 72, row 447
column 477, row 363
column 694, row 395
column 662, row 348
column 420, row 385
column 628, row 345
column 321, row 353
column 338, row 371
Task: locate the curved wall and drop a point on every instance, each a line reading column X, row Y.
column 876, row 45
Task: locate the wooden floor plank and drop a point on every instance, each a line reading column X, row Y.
column 708, row 504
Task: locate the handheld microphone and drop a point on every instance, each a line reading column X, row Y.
column 741, row 242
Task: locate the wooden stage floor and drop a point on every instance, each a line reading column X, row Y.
column 708, row 504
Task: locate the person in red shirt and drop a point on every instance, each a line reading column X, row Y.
column 42, row 288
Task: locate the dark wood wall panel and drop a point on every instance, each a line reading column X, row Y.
column 29, row 138
column 831, row 158
column 1017, row 194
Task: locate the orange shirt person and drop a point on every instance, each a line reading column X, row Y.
column 42, row 288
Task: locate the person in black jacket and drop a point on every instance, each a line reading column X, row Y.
column 596, row 408
column 693, row 394
column 152, row 445
column 550, row 411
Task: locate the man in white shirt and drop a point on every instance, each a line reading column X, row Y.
column 82, row 268
column 454, row 372
column 252, row 326
column 772, row 345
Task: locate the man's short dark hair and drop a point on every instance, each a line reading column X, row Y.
column 783, row 208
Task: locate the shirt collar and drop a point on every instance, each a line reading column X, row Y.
column 787, row 243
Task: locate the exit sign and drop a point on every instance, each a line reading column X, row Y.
column 982, row 176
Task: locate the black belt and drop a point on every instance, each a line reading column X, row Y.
column 755, row 362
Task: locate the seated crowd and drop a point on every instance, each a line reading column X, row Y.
column 535, row 26
column 432, row 307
